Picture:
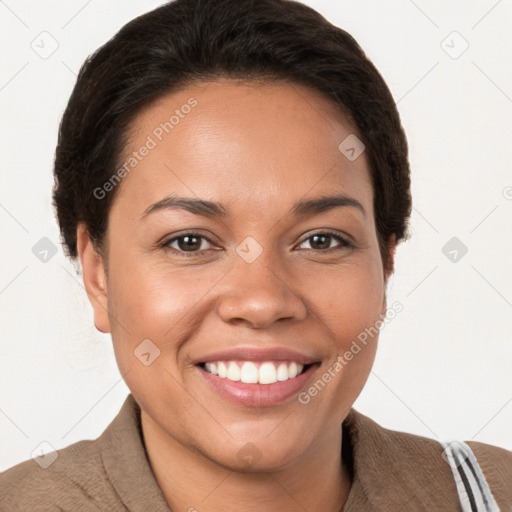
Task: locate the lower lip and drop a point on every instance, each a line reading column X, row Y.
column 257, row 395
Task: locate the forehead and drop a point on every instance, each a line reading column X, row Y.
column 242, row 143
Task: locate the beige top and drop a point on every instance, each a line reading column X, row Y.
column 392, row 471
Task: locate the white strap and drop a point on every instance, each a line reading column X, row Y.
column 474, row 492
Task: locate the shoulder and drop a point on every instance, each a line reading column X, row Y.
column 393, row 446
column 111, row 473
column 492, row 459
column 416, row 465
column 496, row 465
column 67, row 478
column 396, row 470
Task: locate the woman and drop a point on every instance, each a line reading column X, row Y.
column 233, row 178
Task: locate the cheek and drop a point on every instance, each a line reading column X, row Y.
column 348, row 300
column 348, row 307
column 153, row 297
column 148, row 301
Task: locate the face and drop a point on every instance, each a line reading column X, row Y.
column 266, row 277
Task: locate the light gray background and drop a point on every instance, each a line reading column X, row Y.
column 443, row 368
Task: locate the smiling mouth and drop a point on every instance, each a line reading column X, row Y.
column 255, row 372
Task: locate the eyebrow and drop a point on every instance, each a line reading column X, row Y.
column 213, row 209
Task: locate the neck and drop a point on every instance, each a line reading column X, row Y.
column 190, row 481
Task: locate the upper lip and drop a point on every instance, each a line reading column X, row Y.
column 256, row 354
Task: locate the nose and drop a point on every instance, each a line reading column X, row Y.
column 259, row 294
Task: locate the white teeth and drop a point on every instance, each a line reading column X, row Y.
column 268, row 372
column 282, row 372
column 233, row 371
column 223, row 371
column 212, row 368
column 249, row 373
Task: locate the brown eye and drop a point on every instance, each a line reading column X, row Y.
column 321, row 241
column 191, row 243
column 324, row 241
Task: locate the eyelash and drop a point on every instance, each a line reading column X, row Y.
column 344, row 243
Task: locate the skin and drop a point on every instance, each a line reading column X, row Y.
column 257, row 149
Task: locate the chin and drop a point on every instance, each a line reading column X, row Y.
column 256, row 457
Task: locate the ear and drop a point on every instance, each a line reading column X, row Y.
column 95, row 279
column 389, row 268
